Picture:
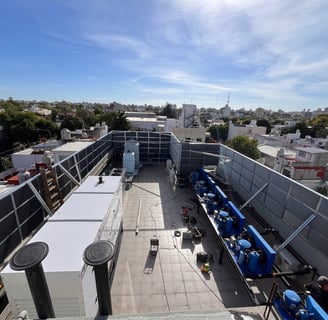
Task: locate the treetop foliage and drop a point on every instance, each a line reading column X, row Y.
column 245, row 145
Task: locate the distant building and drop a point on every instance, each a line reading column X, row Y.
column 190, row 134
column 287, row 140
column 93, row 133
column 146, row 121
column 149, row 121
column 276, row 158
column 225, row 111
column 189, row 116
column 310, row 164
column 249, row 130
column 308, row 141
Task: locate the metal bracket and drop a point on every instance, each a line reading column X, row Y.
column 254, row 195
column 38, row 196
column 68, row 174
column 296, row 232
column 77, row 167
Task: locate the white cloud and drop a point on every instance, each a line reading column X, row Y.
column 260, row 51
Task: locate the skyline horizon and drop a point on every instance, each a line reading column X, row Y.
column 250, row 108
column 268, row 56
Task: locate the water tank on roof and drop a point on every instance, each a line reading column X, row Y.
column 129, row 162
column 47, row 157
column 23, row 176
column 133, row 146
column 65, row 134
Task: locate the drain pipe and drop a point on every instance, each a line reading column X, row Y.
column 97, row 255
column 29, row 259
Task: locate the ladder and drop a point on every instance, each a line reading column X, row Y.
column 53, row 196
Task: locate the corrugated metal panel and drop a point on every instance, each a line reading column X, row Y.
column 249, row 164
column 247, row 174
column 296, row 206
column 276, row 194
column 275, row 206
column 237, row 167
column 246, row 184
column 258, row 182
column 319, row 241
column 307, row 196
column 323, row 208
column 235, row 176
column 262, row 172
column 280, row 181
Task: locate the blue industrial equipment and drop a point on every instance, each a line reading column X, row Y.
column 268, row 254
column 201, row 187
column 252, row 253
column 238, row 217
column 254, row 260
column 211, row 204
column 241, row 251
column 315, row 310
column 225, row 223
column 222, row 198
column 194, row 177
column 290, row 306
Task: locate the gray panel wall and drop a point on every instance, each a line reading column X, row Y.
column 284, row 204
column 21, row 213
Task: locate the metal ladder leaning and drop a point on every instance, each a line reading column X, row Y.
column 53, row 196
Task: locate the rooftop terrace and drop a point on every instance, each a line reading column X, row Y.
column 171, row 281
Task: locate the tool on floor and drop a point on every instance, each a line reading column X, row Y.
column 205, row 258
column 154, row 245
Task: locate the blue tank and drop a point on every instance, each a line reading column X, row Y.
column 291, row 301
column 210, row 202
column 243, row 245
column 194, row 177
column 223, row 215
column 201, row 187
column 241, row 257
column 228, row 226
column 253, row 261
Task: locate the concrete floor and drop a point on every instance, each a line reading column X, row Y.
column 171, row 280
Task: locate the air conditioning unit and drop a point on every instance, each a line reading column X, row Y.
column 285, row 261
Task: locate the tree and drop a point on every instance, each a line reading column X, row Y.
column 5, row 163
column 88, row 118
column 218, row 133
column 304, row 128
column 245, row 145
column 115, row 120
column 320, row 126
column 71, row 123
column 168, row 111
column 264, row 123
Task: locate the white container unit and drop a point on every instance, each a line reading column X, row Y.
column 84, row 207
column 69, row 148
column 110, row 184
column 71, row 283
column 93, row 212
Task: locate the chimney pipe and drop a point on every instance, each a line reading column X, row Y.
column 28, row 258
column 97, row 255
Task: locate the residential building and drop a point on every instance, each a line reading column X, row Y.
column 248, row 130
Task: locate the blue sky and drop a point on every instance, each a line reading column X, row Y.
column 271, row 54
